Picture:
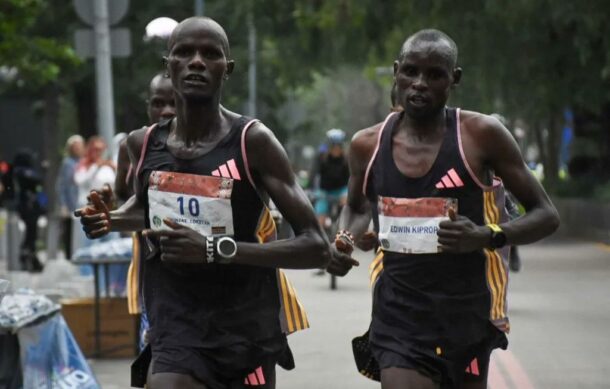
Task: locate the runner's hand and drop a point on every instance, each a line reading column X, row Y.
column 95, row 217
column 461, row 235
column 107, row 196
column 180, row 244
column 340, row 262
column 367, row 241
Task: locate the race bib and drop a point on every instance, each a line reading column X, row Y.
column 409, row 226
column 202, row 203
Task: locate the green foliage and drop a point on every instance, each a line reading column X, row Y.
column 588, row 187
column 38, row 59
column 602, row 193
column 527, row 59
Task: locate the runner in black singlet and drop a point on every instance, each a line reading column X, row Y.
column 432, row 178
column 159, row 105
column 218, row 305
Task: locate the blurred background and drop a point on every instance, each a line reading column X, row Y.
column 543, row 65
column 304, row 67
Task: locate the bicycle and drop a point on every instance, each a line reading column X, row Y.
column 332, row 226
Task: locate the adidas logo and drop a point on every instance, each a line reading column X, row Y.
column 473, row 368
column 227, row 170
column 450, row 180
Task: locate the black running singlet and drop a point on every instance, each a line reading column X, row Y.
column 211, row 319
column 439, row 299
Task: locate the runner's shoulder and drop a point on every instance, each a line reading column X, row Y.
column 479, row 124
column 487, row 134
column 364, row 142
column 135, row 140
column 259, row 136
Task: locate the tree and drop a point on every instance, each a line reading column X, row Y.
column 527, row 59
column 38, row 60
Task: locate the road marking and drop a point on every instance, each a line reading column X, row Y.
column 515, row 371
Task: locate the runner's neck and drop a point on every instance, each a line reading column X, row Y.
column 197, row 121
column 423, row 129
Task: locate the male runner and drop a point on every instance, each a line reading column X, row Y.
column 439, row 305
column 212, row 291
column 159, row 105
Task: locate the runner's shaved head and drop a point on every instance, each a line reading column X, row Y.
column 200, row 22
column 157, row 82
column 442, row 43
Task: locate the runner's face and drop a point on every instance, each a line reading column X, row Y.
column 424, row 76
column 161, row 104
column 197, row 61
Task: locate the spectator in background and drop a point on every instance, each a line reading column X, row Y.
column 29, row 199
column 93, row 171
column 67, row 191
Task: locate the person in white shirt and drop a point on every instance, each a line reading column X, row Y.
column 93, row 171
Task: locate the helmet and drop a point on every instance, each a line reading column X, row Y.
column 335, row 136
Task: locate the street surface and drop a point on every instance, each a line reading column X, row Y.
column 559, row 305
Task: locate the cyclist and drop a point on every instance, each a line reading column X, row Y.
column 329, row 176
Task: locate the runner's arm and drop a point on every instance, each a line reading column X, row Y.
column 356, row 214
column 541, row 218
column 487, row 140
column 272, row 171
column 123, row 187
column 98, row 220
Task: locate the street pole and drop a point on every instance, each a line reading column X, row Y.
column 251, row 65
column 199, row 7
column 103, row 73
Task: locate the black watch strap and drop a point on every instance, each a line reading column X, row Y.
column 498, row 237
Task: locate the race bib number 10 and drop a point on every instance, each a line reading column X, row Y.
column 410, row 226
column 202, row 203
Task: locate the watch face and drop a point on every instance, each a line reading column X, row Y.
column 499, row 239
column 227, row 247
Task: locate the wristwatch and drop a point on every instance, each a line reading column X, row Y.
column 226, row 247
column 498, row 237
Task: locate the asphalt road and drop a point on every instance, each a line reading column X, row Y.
column 559, row 306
